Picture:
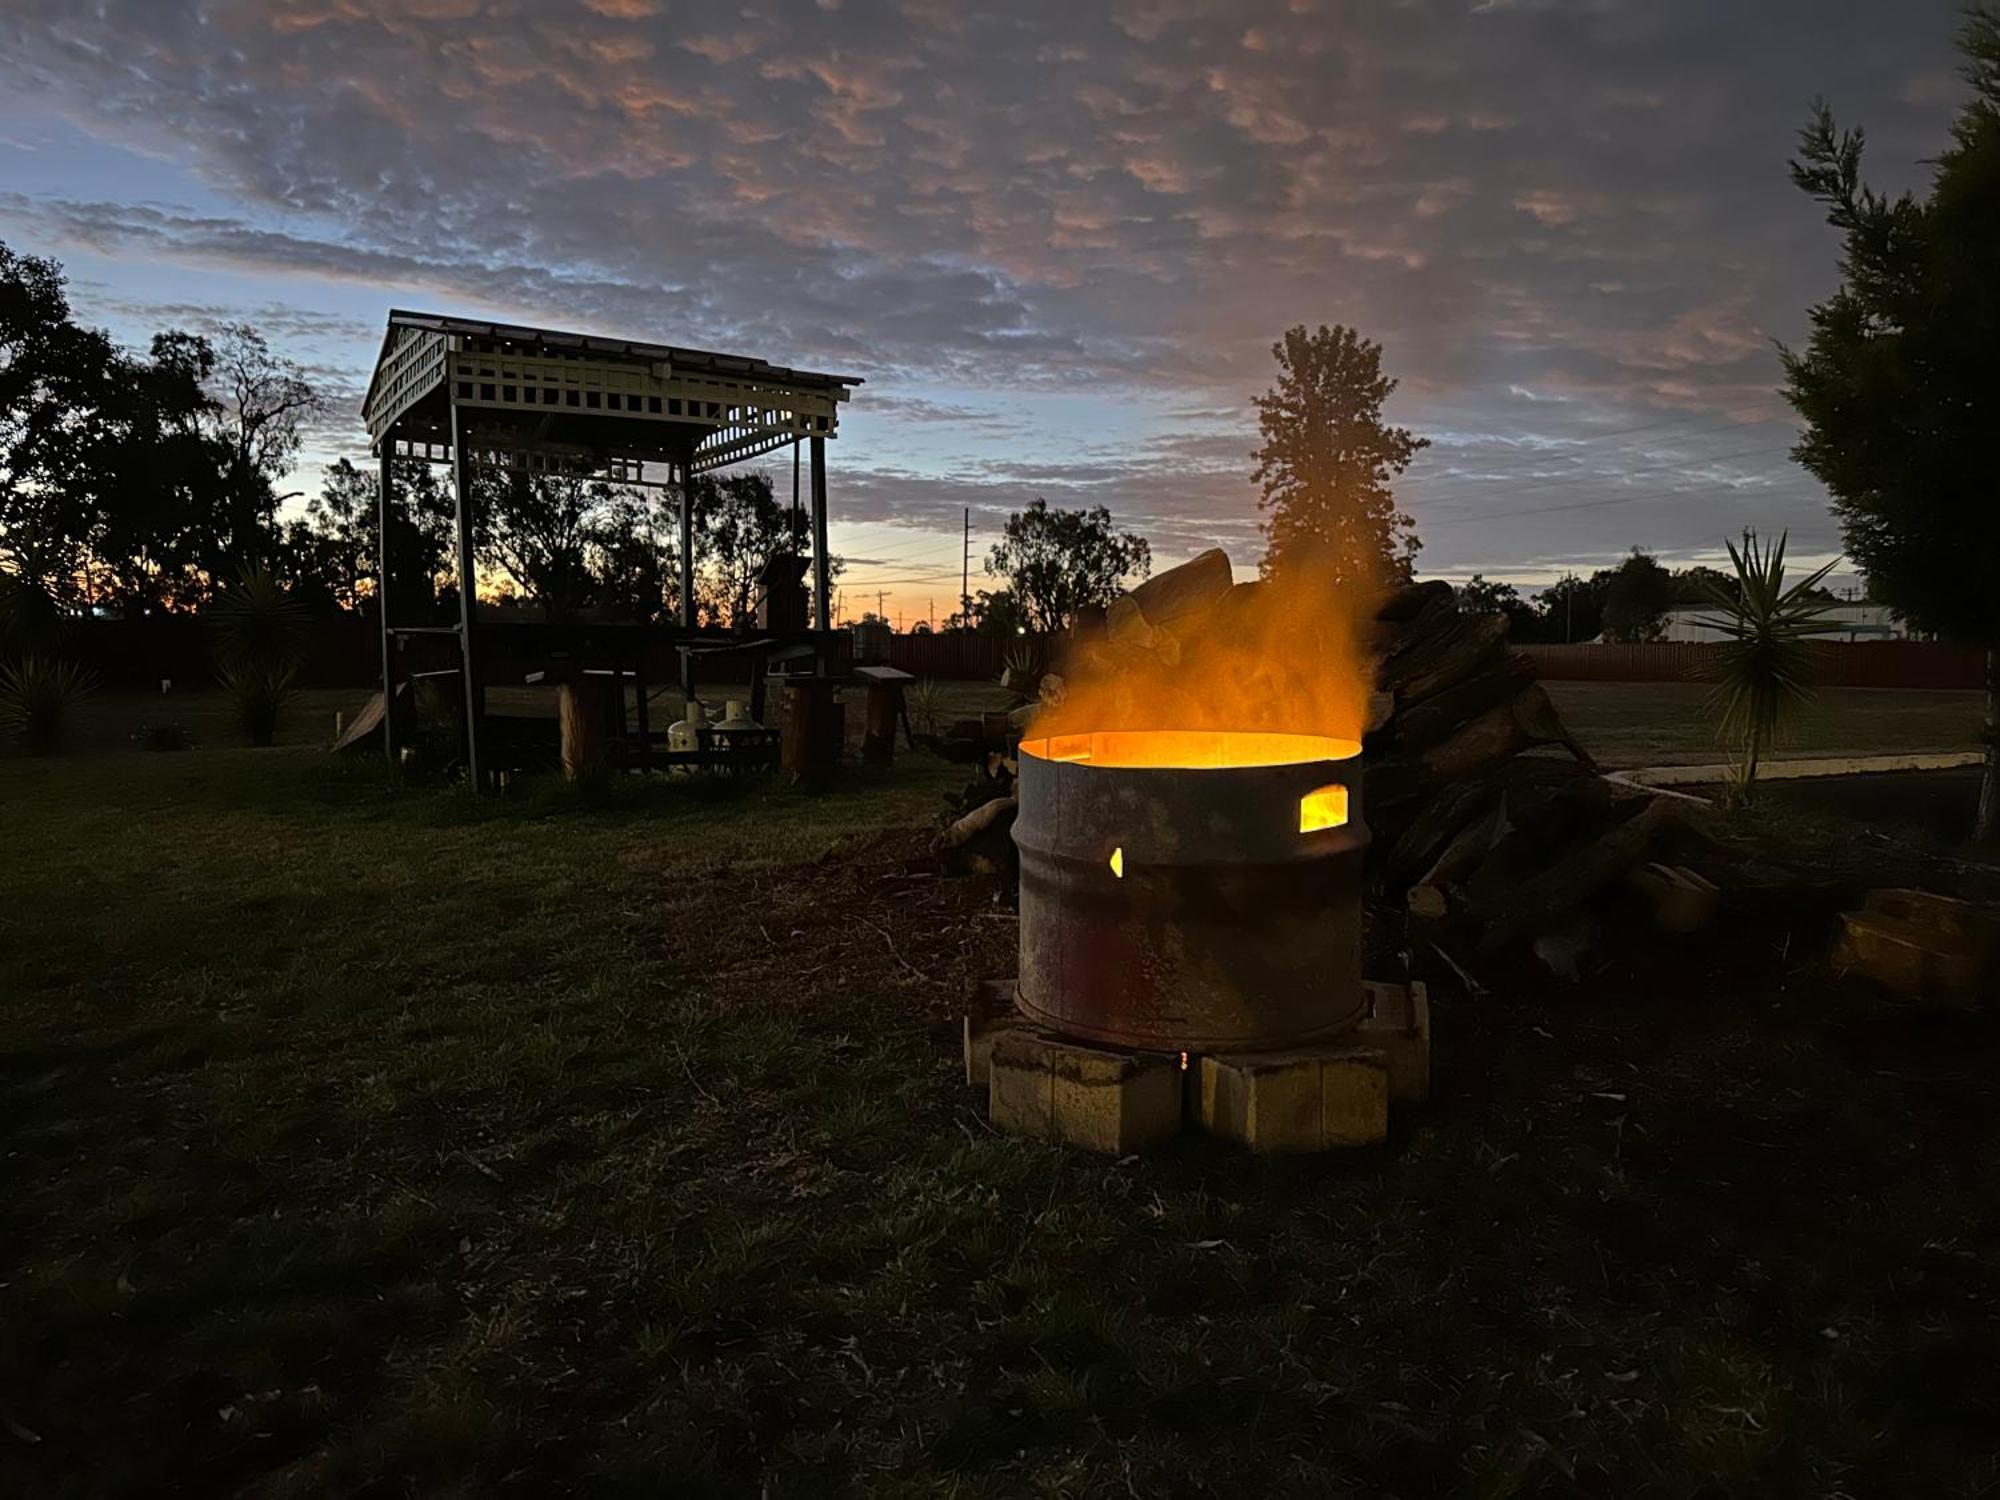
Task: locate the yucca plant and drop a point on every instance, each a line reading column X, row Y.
column 925, row 701
column 1021, row 665
column 1765, row 673
column 260, row 643
column 37, row 696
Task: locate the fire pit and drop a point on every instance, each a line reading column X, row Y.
column 1191, row 891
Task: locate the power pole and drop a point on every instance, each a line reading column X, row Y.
column 933, row 615
column 881, row 609
column 965, row 576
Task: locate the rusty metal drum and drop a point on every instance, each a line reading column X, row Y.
column 1187, row 890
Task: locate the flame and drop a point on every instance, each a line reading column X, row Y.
column 1193, row 748
column 1287, row 656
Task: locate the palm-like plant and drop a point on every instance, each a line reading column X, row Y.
column 1765, row 672
column 37, row 696
column 260, row 642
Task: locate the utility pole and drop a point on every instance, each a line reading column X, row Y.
column 965, row 576
column 933, row 615
column 881, row 609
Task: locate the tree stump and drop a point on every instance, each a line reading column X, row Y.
column 583, row 707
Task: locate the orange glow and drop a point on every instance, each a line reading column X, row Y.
column 1288, row 655
column 1193, row 749
column 1324, row 807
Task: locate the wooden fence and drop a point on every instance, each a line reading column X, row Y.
column 345, row 651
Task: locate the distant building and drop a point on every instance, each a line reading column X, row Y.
column 1855, row 622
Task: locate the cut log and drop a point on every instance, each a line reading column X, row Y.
column 1680, row 900
column 1437, row 718
column 1539, row 720
column 1496, row 735
column 583, row 708
column 1472, row 645
column 1575, row 878
column 1468, row 847
column 1401, row 605
column 1156, row 604
column 999, row 811
column 1448, row 810
column 1427, row 903
column 1436, row 619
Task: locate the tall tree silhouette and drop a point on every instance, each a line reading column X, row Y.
column 1328, row 458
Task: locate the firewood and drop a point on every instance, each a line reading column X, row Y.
column 1539, row 720
column 1140, row 616
column 1438, row 618
column 1680, row 900
column 1427, row 903
column 1472, row 645
column 1401, row 605
column 1452, row 807
column 1468, row 847
column 1574, row 879
column 1437, row 718
column 998, row 812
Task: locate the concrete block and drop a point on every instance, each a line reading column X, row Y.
column 981, row 1031
column 1916, row 962
column 1116, row 1102
column 1295, row 1101
column 1970, row 924
column 1397, row 1026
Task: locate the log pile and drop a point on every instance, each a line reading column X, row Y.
column 1489, row 821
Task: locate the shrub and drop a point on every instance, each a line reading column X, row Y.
column 37, row 697
column 260, row 642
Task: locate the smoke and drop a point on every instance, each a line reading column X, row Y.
column 1191, row 650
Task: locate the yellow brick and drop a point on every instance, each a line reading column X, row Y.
column 1354, row 1101
column 1909, row 960
column 1398, row 1026
column 1114, row 1102
column 1301, row 1101
column 980, row 1034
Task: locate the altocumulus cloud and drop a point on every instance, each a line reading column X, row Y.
column 1568, row 219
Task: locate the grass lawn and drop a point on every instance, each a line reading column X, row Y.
column 1631, row 724
column 364, row 1139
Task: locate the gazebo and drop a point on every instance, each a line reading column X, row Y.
column 474, row 394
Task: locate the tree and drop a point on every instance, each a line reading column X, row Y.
column 741, row 526
column 1327, row 460
column 263, row 402
column 1480, row 597
column 62, row 388
column 1058, row 563
column 1697, row 585
column 538, row 529
column 1898, row 386
column 1635, row 598
column 1572, row 609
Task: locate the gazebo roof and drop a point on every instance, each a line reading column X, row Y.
column 618, row 401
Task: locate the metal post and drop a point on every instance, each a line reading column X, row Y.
column 385, row 496
column 687, row 548
column 468, row 603
column 821, row 602
column 965, row 576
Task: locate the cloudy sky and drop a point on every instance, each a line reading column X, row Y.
column 1057, row 237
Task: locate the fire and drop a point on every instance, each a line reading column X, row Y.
column 1193, row 749
column 1218, row 675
